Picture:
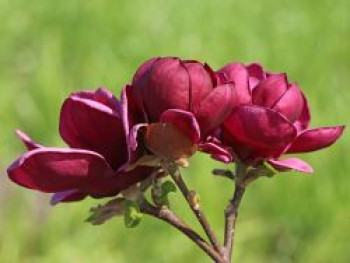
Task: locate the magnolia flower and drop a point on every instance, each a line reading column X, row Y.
column 270, row 117
column 91, row 123
column 183, row 102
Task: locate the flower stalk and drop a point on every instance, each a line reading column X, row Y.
column 168, row 216
column 193, row 202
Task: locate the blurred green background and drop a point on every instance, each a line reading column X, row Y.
column 51, row 48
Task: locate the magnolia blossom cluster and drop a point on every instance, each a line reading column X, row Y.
column 171, row 109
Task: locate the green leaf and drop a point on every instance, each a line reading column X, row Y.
column 132, row 214
column 166, row 188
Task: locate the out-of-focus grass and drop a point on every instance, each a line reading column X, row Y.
column 51, row 48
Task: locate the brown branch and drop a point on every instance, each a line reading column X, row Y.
column 231, row 211
column 171, row 218
column 191, row 197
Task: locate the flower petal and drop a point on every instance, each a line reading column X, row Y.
column 132, row 112
column 166, row 86
column 316, row 139
column 216, row 151
column 67, row 196
column 214, row 78
column 256, row 74
column 104, row 187
column 270, row 90
column 142, row 71
column 112, row 185
column 291, row 163
column 133, row 135
column 256, row 132
column 131, row 115
column 91, row 125
column 238, row 74
column 184, row 121
column 214, row 109
column 201, row 83
column 28, row 142
column 303, row 121
column 166, row 141
column 140, row 81
column 291, row 103
column 100, row 95
column 255, row 70
column 55, row 170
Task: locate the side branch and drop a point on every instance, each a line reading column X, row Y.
column 231, row 213
column 171, row 218
column 191, row 197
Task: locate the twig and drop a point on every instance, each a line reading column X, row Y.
column 171, row 218
column 231, row 211
column 224, row 173
column 190, row 197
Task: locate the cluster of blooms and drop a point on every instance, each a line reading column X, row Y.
column 171, row 109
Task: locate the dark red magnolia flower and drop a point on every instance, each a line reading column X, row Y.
column 91, row 123
column 271, row 117
column 184, row 93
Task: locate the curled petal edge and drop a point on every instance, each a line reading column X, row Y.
column 291, row 164
column 27, row 141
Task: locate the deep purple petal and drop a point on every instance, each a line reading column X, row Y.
column 200, row 85
column 221, row 158
column 131, row 115
column 216, row 151
column 255, row 70
column 256, row 74
column 67, row 196
column 100, row 95
column 304, row 119
column 132, row 112
column 140, row 82
column 270, row 90
column 167, row 87
column 291, row 163
column 316, row 139
column 104, row 187
column 91, row 125
column 214, row 77
column 256, row 132
column 134, row 132
column 55, row 170
column 28, row 142
column 291, row 103
column 214, row 109
column 184, row 121
column 113, row 185
column 125, row 103
column 238, row 74
column 142, row 71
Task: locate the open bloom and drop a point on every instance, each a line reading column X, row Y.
column 91, row 124
column 184, row 94
column 270, row 117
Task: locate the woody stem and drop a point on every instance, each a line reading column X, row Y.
column 231, row 211
column 166, row 215
column 193, row 202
